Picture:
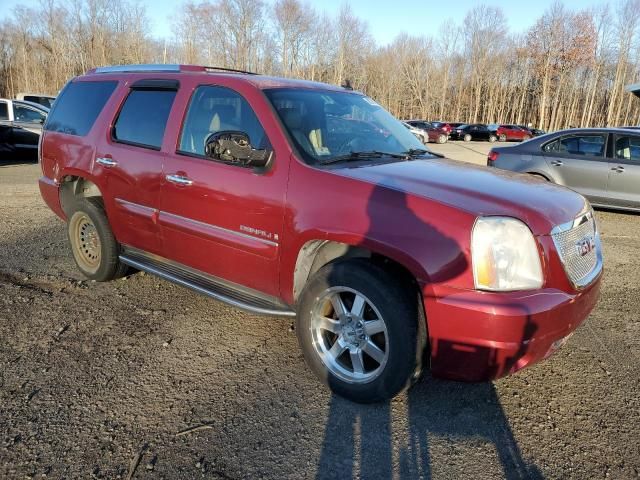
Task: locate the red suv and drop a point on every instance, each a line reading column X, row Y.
column 434, row 134
column 506, row 133
column 390, row 259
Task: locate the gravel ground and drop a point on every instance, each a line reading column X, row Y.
column 139, row 375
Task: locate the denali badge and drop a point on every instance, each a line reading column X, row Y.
column 586, row 245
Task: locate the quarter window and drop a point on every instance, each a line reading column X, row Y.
column 216, row 109
column 143, row 118
column 78, row 106
column 628, row 148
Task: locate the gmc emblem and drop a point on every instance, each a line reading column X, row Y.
column 586, row 245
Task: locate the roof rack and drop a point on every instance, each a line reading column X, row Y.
column 164, row 67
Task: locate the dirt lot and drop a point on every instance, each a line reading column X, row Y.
column 95, row 378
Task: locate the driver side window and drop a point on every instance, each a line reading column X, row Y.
column 217, row 109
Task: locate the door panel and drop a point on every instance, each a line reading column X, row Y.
column 129, row 162
column 623, row 188
column 225, row 220
column 579, row 163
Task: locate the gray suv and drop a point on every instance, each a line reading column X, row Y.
column 603, row 164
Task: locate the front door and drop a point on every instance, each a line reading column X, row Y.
column 130, row 164
column 623, row 188
column 27, row 127
column 220, row 218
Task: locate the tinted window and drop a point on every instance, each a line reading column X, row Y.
column 26, row 114
column 143, row 117
column 628, row 148
column 78, row 106
column 4, row 111
column 214, row 109
column 588, row 145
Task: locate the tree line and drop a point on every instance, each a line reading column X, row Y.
column 569, row 69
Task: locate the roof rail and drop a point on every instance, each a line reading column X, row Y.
column 164, row 67
column 231, row 70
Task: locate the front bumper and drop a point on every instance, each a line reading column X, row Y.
column 479, row 336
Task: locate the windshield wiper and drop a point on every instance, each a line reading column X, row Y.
column 417, row 152
column 354, row 156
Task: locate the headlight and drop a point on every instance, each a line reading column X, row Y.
column 504, row 255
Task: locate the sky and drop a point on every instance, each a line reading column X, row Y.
column 386, row 18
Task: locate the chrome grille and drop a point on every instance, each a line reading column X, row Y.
column 579, row 248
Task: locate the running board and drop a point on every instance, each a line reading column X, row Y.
column 208, row 285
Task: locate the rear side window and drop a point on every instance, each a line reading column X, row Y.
column 78, row 106
column 582, row 145
column 628, row 148
column 4, row 111
column 143, row 118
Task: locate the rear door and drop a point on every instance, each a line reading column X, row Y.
column 579, row 161
column 27, row 127
column 623, row 188
column 129, row 162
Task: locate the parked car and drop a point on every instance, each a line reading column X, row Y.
column 231, row 184
column 535, row 132
column 507, row 133
column 418, row 133
column 39, row 98
column 21, row 124
column 447, row 127
column 477, row 131
column 603, row 164
column 434, row 134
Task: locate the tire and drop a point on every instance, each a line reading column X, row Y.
column 442, row 139
column 492, row 138
column 93, row 245
column 525, row 138
column 390, row 321
column 467, row 138
column 503, row 138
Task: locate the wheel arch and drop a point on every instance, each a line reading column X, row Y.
column 315, row 254
column 75, row 186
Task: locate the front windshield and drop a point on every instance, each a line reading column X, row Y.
column 327, row 125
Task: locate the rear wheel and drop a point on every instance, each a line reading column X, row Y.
column 442, row 138
column 503, row 137
column 93, row 245
column 525, row 138
column 467, row 138
column 358, row 329
column 492, row 138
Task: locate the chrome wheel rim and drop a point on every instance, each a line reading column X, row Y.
column 349, row 335
column 85, row 240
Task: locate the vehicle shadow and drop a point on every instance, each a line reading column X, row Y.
column 447, row 417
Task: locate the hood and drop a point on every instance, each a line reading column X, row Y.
column 477, row 190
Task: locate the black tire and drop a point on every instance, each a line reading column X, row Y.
column 93, row 246
column 467, row 138
column 442, row 139
column 492, row 138
column 503, row 138
column 398, row 305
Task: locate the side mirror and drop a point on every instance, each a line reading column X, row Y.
column 234, row 147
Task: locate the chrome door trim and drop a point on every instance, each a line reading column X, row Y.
column 135, row 208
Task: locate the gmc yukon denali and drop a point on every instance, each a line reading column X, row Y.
column 293, row 198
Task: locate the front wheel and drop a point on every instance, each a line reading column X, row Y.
column 492, row 138
column 467, row 138
column 358, row 328
column 442, row 139
column 503, row 138
column 93, row 245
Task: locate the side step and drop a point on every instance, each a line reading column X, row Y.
column 218, row 289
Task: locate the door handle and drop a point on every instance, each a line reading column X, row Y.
column 618, row 169
column 557, row 163
column 107, row 162
column 179, row 180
